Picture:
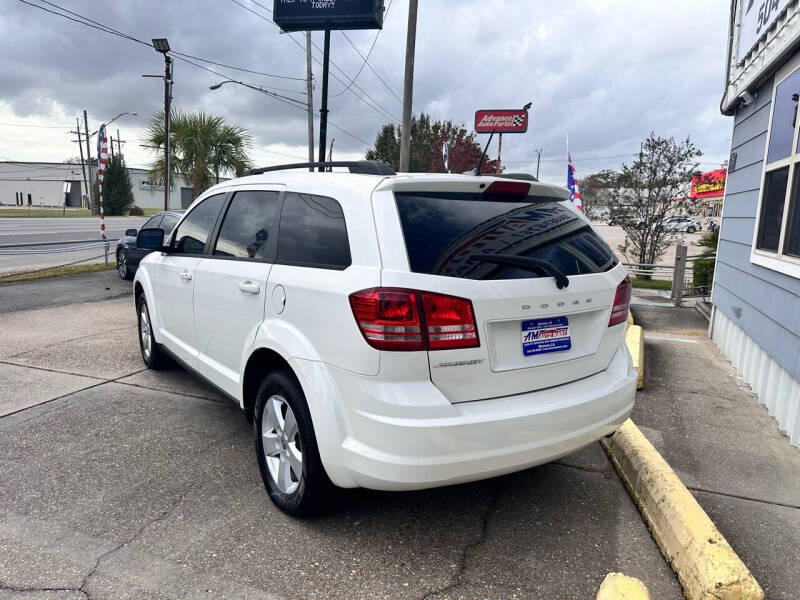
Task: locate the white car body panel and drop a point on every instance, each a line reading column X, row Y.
column 395, row 420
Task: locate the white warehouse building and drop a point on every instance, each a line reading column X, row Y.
column 50, row 184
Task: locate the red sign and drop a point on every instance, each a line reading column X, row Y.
column 501, row 121
column 709, row 185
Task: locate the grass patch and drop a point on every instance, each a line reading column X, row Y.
column 149, row 212
column 652, row 284
column 56, row 272
column 43, row 212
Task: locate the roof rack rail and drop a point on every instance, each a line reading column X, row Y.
column 359, row 167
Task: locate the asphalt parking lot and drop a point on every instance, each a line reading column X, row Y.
column 118, row 482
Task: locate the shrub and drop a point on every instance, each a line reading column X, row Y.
column 703, row 272
column 136, row 211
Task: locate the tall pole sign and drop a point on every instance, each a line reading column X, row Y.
column 327, row 15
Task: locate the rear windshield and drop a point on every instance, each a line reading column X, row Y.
column 474, row 237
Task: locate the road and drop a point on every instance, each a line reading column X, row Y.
column 120, row 482
column 20, row 230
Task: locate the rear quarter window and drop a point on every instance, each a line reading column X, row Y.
column 458, row 235
column 312, row 232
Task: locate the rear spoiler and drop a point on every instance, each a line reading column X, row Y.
column 463, row 184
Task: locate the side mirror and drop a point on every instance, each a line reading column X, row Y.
column 150, row 239
column 130, row 232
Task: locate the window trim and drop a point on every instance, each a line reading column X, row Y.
column 209, row 252
column 779, row 261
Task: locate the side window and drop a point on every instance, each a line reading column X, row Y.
column 153, row 222
column 249, row 226
column 313, row 232
column 168, row 224
column 191, row 236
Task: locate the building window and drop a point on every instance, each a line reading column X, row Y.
column 776, row 241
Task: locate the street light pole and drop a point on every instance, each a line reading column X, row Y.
column 323, row 111
column 161, row 45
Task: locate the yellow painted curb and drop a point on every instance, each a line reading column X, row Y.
column 705, row 563
column 630, row 319
column 617, row 586
column 634, row 339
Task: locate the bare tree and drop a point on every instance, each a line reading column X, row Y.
column 652, row 188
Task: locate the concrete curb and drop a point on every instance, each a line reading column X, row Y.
column 706, row 565
column 617, row 586
column 634, row 339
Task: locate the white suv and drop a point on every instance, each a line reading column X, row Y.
column 393, row 332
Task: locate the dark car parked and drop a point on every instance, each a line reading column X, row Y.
column 128, row 255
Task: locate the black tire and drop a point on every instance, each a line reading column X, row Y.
column 691, row 229
column 152, row 354
column 123, row 268
column 314, row 491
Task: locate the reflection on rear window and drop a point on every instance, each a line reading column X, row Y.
column 456, row 235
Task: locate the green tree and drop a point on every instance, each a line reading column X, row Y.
column 651, row 188
column 427, row 138
column 202, row 147
column 117, row 189
column 596, row 192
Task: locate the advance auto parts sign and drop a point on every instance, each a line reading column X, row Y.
column 501, row 121
column 755, row 18
column 312, row 15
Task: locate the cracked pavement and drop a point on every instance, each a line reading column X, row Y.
column 117, row 482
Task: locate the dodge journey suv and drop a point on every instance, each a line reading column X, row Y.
column 393, row 332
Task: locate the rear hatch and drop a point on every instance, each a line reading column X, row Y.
column 541, row 282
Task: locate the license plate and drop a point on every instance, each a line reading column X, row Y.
column 540, row 336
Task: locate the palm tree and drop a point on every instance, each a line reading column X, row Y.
column 202, row 147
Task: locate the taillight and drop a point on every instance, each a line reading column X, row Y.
column 622, row 302
column 401, row 319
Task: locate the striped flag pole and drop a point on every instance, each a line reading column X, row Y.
column 102, row 163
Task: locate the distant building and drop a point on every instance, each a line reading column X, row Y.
column 49, row 184
column 756, row 294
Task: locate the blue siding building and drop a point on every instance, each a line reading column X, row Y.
column 756, row 294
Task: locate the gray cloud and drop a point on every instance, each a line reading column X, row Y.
column 604, row 72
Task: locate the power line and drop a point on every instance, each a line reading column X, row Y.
column 35, row 126
column 366, row 60
column 372, row 103
column 101, row 27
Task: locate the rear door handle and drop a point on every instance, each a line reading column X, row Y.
column 248, row 287
column 186, row 276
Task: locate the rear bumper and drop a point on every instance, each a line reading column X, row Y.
column 407, row 436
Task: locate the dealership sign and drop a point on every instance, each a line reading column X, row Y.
column 311, row 15
column 501, row 121
column 756, row 17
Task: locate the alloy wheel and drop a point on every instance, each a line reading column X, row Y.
column 280, row 440
column 122, row 264
column 145, row 332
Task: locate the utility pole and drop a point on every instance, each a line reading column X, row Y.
column 89, row 162
column 111, row 139
column 538, row 160
column 499, row 151
column 119, row 144
column 83, row 166
column 323, row 111
column 167, row 107
column 310, row 99
column 408, row 87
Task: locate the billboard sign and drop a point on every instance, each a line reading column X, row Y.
column 313, row 15
column 501, row 121
column 756, row 17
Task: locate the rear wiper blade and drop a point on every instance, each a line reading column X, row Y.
column 525, row 262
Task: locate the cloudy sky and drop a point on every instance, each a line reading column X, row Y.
column 604, row 72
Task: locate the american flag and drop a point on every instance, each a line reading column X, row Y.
column 572, row 184
column 102, row 163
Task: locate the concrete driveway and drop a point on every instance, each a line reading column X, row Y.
column 118, row 482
